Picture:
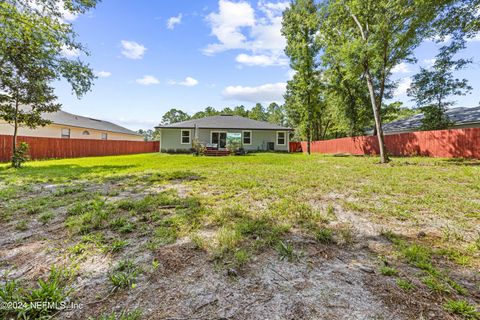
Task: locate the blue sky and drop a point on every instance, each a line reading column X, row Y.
column 151, row 56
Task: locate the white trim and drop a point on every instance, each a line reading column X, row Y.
column 251, row 139
column 189, row 136
column 284, row 138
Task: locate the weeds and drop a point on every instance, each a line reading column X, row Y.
column 388, row 271
column 462, row 308
column 124, row 275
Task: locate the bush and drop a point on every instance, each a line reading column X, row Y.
column 20, row 155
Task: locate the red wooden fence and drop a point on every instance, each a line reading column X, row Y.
column 48, row 148
column 454, row 143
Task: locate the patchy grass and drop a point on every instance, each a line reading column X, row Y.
column 236, row 209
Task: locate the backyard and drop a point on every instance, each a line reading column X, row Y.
column 277, row 236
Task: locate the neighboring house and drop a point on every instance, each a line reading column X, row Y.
column 69, row 126
column 460, row 117
column 213, row 132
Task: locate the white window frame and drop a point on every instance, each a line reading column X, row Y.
column 189, row 136
column 102, row 135
column 284, row 138
column 243, row 139
column 69, row 133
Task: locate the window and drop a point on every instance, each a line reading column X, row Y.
column 185, row 137
column 281, row 138
column 66, row 133
column 247, row 137
column 85, row 133
column 104, row 136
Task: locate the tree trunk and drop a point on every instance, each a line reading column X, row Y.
column 15, row 133
column 378, row 120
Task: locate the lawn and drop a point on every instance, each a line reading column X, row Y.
column 148, row 236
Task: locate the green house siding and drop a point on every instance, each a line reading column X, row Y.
column 170, row 139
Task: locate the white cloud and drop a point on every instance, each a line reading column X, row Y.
column 147, row 80
column 104, row 74
column 187, row 82
column 172, row 21
column 403, row 86
column 70, row 52
column 133, row 50
column 429, row 62
column 271, row 92
column 261, row 60
column 227, row 23
column 236, row 25
column 401, row 68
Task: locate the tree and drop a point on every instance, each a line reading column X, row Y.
column 431, row 88
column 148, row 135
column 174, row 115
column 31, row 43
column 275, row 114
column 241, row 111
column 258, row 113
column 299, row 26
column 368, row 38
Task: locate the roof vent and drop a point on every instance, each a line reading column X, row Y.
column 227, row 115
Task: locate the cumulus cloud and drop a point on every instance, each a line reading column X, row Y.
column 104, row 74
column 270, row 92
column 429, row 62
column 172, row 21
column 236, row 25
column 401, row 68
column 403, row 86
column 147, row 80
column 187, row 82
column 261, row 60
column 132, row 49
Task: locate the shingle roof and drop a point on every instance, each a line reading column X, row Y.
column 225, row 122
column 459, row 116
column 69, row 119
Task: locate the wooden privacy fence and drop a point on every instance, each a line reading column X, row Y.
column 48, row 148
column 454, row 143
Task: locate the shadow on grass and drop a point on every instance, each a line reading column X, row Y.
column 463, row 162
column 62, row 171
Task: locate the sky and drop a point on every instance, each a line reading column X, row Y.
column 151, row 56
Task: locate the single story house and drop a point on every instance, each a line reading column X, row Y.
column 70, row 126
column 215, row 131
column 460, row 117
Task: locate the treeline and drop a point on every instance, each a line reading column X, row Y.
column 343, row 52
column 274, row 113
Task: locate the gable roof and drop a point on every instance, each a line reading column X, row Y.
column 69, row 119
column 459, row 116
column 225, row 122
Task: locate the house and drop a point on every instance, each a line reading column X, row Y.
column 215, row 131
column 70, row 126
column 460, row 117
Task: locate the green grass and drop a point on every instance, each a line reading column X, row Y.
column 462, row 308
column 233, row 208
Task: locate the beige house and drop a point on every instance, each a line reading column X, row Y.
column 69, row 126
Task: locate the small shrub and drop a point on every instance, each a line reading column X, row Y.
column 124, row 274
column 462, row 308
column 20, row 156
column 388, row 271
